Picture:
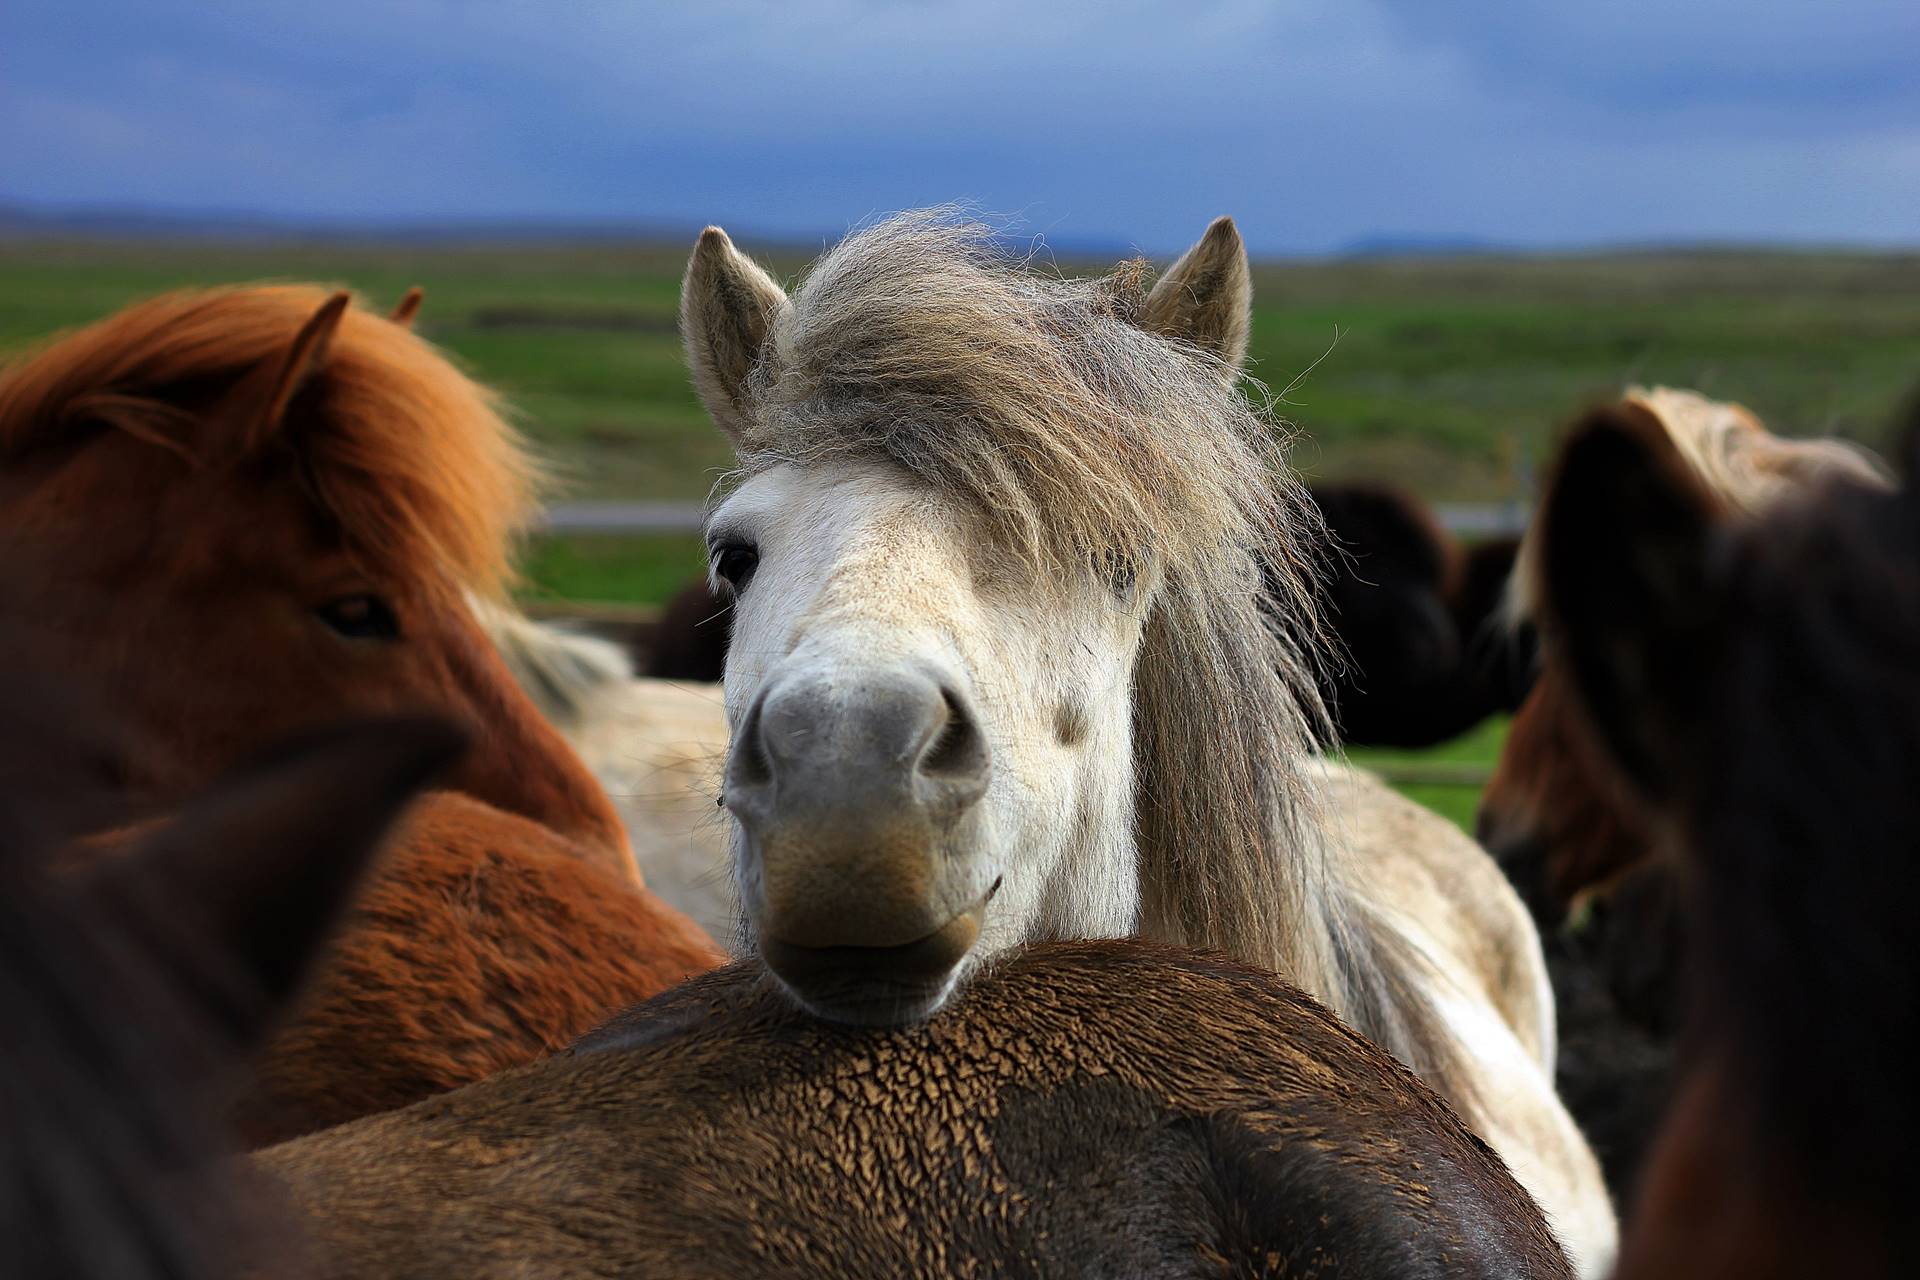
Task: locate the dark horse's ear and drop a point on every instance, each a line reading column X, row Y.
column 1906, row 436
column 728, row 308
column 1206, row 298
column 408, row 307
column 1629, row 598
column 244, row 885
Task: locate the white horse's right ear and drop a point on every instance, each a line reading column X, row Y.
column 728, row 307
column 1206, row 298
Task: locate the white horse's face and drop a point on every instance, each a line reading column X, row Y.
column 931, row 754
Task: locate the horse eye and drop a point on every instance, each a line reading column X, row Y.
column 1121, row 573
column 361, row 617
column 735, row 562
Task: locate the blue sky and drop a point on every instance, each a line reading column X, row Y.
column 1315, row 123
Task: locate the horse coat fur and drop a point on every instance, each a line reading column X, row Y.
column 1083, row 1109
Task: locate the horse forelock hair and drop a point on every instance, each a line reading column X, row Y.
column 1079, row 437
column 411, row 458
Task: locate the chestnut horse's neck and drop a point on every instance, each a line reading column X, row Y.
column 521, row 763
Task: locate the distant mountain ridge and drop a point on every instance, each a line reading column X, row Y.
column 132, row 222
column 24, row 221
column 1414, row 245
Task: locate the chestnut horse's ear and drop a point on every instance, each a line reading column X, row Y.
column 306, row 357
column 1206, row 298
column 249, row 879
column 728, row 308
column 1630, row 599
column 408, row 307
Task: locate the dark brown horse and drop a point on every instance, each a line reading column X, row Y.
column 689, row 642
column 246, row 512
column 1553, row 815
column 1416, row 614
column 1093, row 1108
column 1752, row 682
column 131, row 996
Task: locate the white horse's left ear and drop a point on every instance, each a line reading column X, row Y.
column 728, row 309
column 1206, row 298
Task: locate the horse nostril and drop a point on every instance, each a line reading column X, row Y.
column 750, row 765
column 957, row 750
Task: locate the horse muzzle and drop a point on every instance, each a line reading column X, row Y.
column 858, row 806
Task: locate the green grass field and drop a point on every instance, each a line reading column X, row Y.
column 1472, row 752
column 1451, row 375
column 1448, row 375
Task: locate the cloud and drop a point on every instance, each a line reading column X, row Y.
column 1131, row 122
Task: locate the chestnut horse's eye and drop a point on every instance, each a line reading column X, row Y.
column 361, row 617
column 735, row 562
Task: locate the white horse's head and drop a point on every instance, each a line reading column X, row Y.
column 970, row 500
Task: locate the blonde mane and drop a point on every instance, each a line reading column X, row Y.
column 408, row 455
column 1739, row 461
column 1086, row 443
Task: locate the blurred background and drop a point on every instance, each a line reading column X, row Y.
column 1468, row 218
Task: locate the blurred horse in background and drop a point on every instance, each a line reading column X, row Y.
column 133, row 994
column 1422, row 656
column 689, row 642
column 1551, row 815
column 1750, row 680
column 243, row 512
column 1578, row 844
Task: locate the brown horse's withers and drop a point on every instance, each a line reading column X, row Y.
column 1092, row 1108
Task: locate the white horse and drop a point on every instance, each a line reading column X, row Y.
column 1001, row 669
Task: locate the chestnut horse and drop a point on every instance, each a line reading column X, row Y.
column 1087, row 1108
column 1553, row 817
column 245, row 511
column 130, row 997
column 1751, row 683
